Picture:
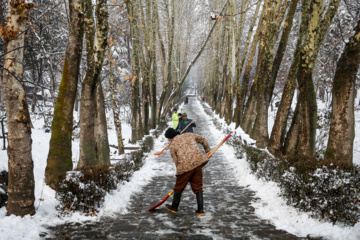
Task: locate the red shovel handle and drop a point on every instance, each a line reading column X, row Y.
column 162, row 201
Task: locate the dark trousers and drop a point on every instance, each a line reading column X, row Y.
column 194, row 177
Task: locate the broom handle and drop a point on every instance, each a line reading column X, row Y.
column 216, row 148
column 186, row 127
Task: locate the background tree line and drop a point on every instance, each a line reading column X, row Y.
column 305, row 48
column 103, row 56
column 107, row 56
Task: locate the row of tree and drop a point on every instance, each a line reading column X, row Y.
column 280, row 41
column 110, row 62
column 139, row 53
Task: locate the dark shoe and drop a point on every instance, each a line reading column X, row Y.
column 200, row 203
column 175, row 204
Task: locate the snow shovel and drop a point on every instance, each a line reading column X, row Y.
column 211, row 153
column 157, row 154
column 162, row 201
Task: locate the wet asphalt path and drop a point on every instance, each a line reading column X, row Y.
column 227, row 206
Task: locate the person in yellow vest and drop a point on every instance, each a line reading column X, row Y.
column 175, row 118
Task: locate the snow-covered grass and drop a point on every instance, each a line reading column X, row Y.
column 30, row 227
column 269, row 204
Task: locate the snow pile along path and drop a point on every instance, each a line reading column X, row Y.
column 269, row 205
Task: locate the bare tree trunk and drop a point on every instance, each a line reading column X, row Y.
column 21, row 177
column 52, row 82
column 153, row 78
column 232, row 40
column 88, row 94
column 36, row 83
column 59, row 160
column 292, row 138
column 342, row 129
column 278, row 131
column 115, row 108
column 93, row 133
column 147, row 71
column 310, row 49
column 308, row 110
column 247, row 120
column 100, row 131
column 169, row 63
column 240, row 91
column 271, row 21
column 219, row 81
column 2, row 99
column 225, row 75
column 135, row 98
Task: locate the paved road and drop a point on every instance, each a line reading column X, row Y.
column 228, row 213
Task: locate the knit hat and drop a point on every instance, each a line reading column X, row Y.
column 184, row 114
column 174, row 109
column 171, row 133
column 179, row 114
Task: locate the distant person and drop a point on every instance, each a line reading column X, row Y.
column 203, row 99
column 180, row 120
column 186, row 100
column 175, row 118
column 182, row 111
column 189, row 161
column 186, row 122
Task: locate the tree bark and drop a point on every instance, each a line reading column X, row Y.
column 271, row 22
column 242, row 90
column 94, row 146
column 115, row 109
column 292, row 137
column 342, row 129
column 136, row 128
column 308, row 112
column 278, row 131
column 247, row 117
column 100, row 131
column 21, row 177
column 153, row 78
column 146, row 62
column 169, row 64
column 225, row 75
column 59, row 160
column 88, row 94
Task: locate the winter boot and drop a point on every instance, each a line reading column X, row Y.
column 200, row 203
column 175, row 204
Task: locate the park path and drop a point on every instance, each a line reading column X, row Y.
column 227, row 206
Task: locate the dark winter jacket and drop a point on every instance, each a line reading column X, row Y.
column 180, row 120
column 183, row 125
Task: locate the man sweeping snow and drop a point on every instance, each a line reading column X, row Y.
column 189, row 161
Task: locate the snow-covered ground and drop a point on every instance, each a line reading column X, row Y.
column 272, row 207
column 269, row 206
column 30, row 227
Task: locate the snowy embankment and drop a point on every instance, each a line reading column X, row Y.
column 30, row 227
column 270, row 205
